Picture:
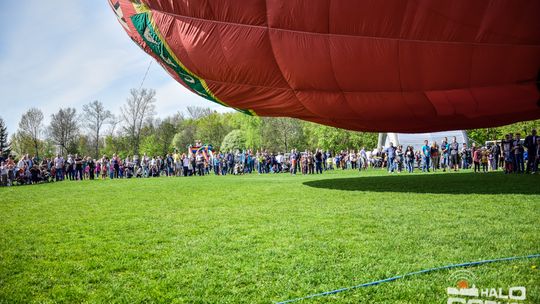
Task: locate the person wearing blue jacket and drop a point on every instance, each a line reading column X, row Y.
column 426, row 155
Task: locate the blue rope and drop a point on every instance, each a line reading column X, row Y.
column 408, row 275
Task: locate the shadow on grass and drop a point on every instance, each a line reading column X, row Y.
column 451, row 183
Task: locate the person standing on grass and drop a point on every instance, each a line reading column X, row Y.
column 465, row 154
column 484, row 159
column 230, row 162
column 409, row 159
column 170, row 165
column 531, row 145
column 329, row 161
column 364, row 157
column 303, row 164
column 11, row 169
column 215, row 163
column 85, row 168
column 426, row 156
column 136, row 162
column 318, row 161
column 91, row 167
column 3, row 174
column 293, row 160
column 477, row 157
column 454, row 154
column 199, row 162
column 249, row 159
column 59, row 166
column 391, row 155
column 352, row 158
column 78, row 167
column 496, row 154
column 185, row 164
column 310, row 163
column 69, row 167
column 519, row 166
column 104, row 165
column 145, row 165
column 508, row 155
column 435, row 157
column 34, row 174
column 177, row 163
column 399, row 159
column 445, row 151
column 110, row 169
column 297, row 157
column 98, row 168
column 116, row 165
column 537, row 159
column 224, row 168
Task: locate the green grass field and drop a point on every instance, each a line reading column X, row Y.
column 268, row 238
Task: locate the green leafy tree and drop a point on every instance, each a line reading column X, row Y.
column 251, row 125
column 282, row 134
column 334, row 139
column 151, row 146
column 84, row 146
column 165, row 134
column 235, row 140
column 480, row 136
column 185, row 135
column 121, row 145
column 21, row 144
column 211, row 129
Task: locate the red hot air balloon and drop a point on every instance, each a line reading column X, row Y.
column 370, row 65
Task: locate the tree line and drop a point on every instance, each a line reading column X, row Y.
column 136, row 129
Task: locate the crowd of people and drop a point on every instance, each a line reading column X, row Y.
column 511, row 154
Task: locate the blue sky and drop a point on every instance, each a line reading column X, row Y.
column 64, row 53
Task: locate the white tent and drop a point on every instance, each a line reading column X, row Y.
column 417, row 139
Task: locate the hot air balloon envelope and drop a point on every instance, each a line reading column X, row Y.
column 371, row 65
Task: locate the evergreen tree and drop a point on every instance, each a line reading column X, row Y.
column 4, row 144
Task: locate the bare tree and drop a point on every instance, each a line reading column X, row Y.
column 177, row 118
column 138, row 109
column 281, row 132
column 95, row 116
column 114, row 121
column 31, row 126
column 196, row 112
column 64, row 129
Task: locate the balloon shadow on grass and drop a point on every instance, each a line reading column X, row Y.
column 450, row 183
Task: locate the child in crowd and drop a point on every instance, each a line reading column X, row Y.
column 3, row 174
column 484, row 160
column 477, row 156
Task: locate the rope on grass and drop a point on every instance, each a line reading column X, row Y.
column 326, row 293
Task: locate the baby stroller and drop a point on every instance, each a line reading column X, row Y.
column 46, row 176
column 238, row 169
column 284, row 167
column 20, row 177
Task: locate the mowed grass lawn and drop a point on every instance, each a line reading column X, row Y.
column 266, row 238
